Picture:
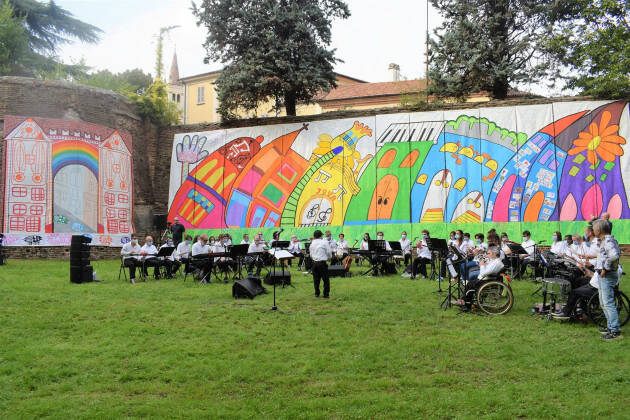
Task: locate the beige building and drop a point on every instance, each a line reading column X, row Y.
column 199, row 103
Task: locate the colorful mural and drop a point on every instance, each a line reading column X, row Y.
column 65, row 178
column 538, row 167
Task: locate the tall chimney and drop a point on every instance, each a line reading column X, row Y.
column 395, row 69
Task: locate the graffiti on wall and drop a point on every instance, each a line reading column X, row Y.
column 543, row 163
column 65, row 178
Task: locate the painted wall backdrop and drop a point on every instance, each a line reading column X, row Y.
column 542, row 167
column 65, row 178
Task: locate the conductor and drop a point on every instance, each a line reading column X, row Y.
column 320, row 252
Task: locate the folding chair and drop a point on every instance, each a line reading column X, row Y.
column 122, row 268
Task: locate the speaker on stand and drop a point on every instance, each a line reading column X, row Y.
column 80, row 269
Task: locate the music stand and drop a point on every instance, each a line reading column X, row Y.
column 438, row 246
column 517, row 250
column 279, row 255
column 238, row 252
column 374, row 247
column 281, row 244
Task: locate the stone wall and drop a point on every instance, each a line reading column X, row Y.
column 70, row 101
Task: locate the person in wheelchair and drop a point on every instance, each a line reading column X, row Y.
column 491, row 266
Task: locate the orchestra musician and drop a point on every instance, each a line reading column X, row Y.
column 529, row 246
column 295, row 248
column 171, row 263
column 254, row 258
column 131, row 257
column 558, row 247
column 344, row 246
column 333, row 247
column 149, row 253
column 201, row 249
column 488, row 266
column 405, row 245
column 223, row 263
column 183, row 253
column 423, row 256
column 245, row 240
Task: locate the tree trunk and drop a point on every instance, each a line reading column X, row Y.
column 289, row 102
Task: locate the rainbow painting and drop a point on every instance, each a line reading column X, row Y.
column 74, row 152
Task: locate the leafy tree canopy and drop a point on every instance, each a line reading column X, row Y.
column 274, row 49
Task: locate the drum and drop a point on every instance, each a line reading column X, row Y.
column 558, row 288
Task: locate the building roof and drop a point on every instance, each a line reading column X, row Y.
column 218, row 72
column 174, row 74
column 363, row 90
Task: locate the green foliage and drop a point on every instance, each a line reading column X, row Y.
column 154, row 104
column 13, row 39
column 127, row 82
column 274, row 50
column 592, row 48
column 380, row 348
column 159, row 65
column 487, row 45
column 48, row 26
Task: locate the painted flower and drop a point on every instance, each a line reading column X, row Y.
column 601, row 141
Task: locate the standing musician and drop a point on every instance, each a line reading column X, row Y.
column 149, row 253
column 405, row 245
column 183, row 253
column 171, row 263
column 201, row 249
column 320, row 253
column 177, row 230
column 131, row 257
column 295, row 248
column 423, row 257
column 254, row 258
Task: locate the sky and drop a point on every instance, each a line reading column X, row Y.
column 378, row 33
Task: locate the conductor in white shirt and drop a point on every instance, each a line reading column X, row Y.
column 320, row 253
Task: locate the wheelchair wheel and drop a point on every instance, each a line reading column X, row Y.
column 495, row 298
column 595, row 312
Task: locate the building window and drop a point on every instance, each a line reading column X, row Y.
column 178, row 98
column 200, row 95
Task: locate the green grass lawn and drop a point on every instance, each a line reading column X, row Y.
column 379, row 348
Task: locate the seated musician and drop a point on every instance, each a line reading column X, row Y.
column 363, row 246
column 200, row 250
column 405, row 246
column 227, row 239
column 254, row 257
column 223, row 263
column 423, row 257
column 295, row 248
column 558, row 247
column 589, row 236
column 245, row 240
column 332, row 244
column 462, row 247
column 489, row 266
column 183, row 253
column 149, row 253
column 468, row 243
column 477, row 251
column 171, row 263
column 381, row 259
column 344, row 246
column 131, row 257
column 568, row 241
column 451, row 238
column 528, row 259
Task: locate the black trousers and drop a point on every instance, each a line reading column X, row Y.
column 171, row 266
column 299, row 256
column 581, row 288
column 155, row 263
column 320, row 272
column 408, row 259
column 132, row 264
column 420, row 266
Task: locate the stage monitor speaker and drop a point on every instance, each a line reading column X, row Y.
column 247, row 288
column 79, row 248
column 81, row 274
column 336, row 271
column 275, row 277
column 80, row 239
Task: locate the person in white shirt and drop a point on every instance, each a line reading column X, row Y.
column 245, row 239
column 223, row 263
column 200, row 251
column 381, row 237
column 365, row 242
column 131, row 257
column 320, row 253
column 183, row 253
column 295, row 248
column 171, row 262
column 529, row 245
column 149, row 253
column 558, row 247
column 478, row 249
column 451, row 238
column 253, row 259
column 491, row 266
column 405, row 245
column 333, row 247
column 423, row 256
column 343, row 248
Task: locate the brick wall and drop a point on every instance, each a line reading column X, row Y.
column 69, row 101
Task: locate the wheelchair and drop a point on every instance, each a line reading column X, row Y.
column 593, row 310
column 493, row 295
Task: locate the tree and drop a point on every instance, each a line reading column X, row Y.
column 487, row 45
column 47, row 27
column 273, row 49
column 592, row 48
column 129, row 81
column 13, row 39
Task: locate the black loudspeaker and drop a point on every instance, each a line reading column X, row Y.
column 80, row 239
column 81, row 273
column 249, row 288
column 74, row 248
column 159, row 221
column 336, row 271
column 275, row 277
